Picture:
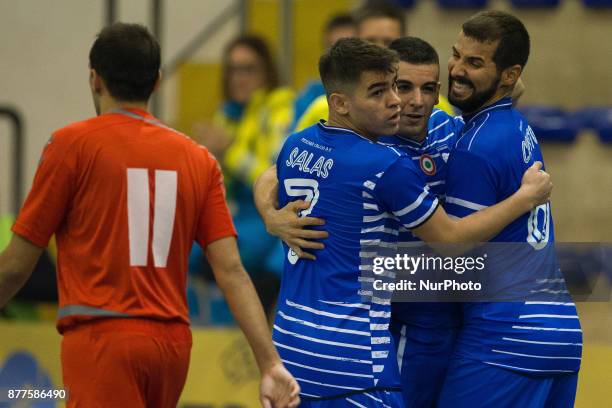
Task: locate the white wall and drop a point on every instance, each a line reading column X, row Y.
column 43, row 67
column 44, row 46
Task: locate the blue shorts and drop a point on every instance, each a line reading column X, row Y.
column 423, row 354
column 370, row 399
column 472, row 383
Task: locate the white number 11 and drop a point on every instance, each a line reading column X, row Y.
column 138, row 203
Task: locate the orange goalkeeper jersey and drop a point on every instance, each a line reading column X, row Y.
column 126, row 196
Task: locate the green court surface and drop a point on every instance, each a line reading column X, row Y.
column 6, row 221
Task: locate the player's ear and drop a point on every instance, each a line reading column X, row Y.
column 95, row 81
column 338, row 102
column 510, row 75
column 158, row 80
column 438, row 93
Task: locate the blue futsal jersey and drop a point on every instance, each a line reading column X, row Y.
column 431, row 156
column 425, row 332
column 332, row 338
column 541, row 337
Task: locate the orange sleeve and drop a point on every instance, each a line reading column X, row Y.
column 51, row 193
column 215, row 220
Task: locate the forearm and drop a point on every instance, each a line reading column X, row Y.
column 248, row 312
column 483, row 225
column 17, row 262
column 11, row 278
column 265, row 193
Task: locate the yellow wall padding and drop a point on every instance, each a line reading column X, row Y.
column 199, row 94
column 309, row 19
column 264, row 19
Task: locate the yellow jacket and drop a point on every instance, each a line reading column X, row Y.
column 258, row 135
column 318, row 110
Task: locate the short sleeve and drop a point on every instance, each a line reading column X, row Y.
column 471, row 183
column 51, row 195
column 215, row 221
column 402, row 191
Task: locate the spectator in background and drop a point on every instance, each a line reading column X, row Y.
column 247, row 132
column 256, row 111
column 380, row 23
column 339, row 26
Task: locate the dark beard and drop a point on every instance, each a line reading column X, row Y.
column 477, row 100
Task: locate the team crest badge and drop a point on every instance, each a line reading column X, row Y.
column 428, row 165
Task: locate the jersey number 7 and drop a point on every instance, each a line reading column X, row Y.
column 309, row 190
column 302, row 187
column 139, row 204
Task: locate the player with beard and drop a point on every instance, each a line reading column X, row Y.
column 508, row 354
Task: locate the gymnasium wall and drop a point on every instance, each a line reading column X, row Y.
column 44, row 48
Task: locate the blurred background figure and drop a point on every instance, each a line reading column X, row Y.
column 246, row 133
column 379, row 22
column 339, row 26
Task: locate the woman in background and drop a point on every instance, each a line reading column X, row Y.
column 248, row 131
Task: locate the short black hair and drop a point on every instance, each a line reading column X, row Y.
column 127, row 57
column 348, row 58
column 415, row 51
column 493, row 25
column 339, row 20
column 380, row 9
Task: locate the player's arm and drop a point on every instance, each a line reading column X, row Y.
column 286, row 223
column 41, row 214
column 483, row 225
column 278, row 387
column 17, row 262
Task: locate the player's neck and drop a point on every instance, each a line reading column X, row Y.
column 416, row 138
column 498, row 96
column 344, row 123
column 108, row 104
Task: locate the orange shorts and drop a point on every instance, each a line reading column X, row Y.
column 125, row 363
